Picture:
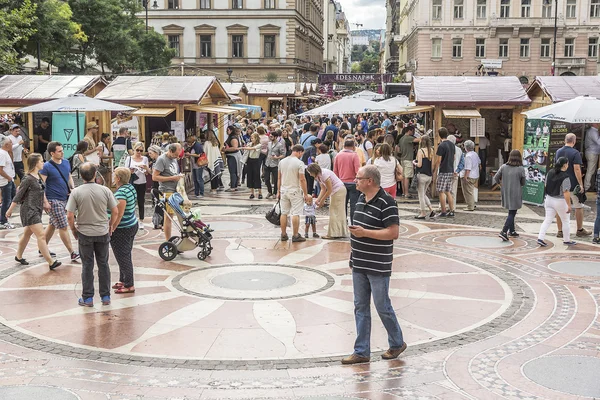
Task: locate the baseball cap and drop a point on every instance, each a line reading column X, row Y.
column 92, row 125
column 13, row 126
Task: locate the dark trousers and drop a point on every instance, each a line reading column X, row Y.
column 509, row 225
column 121, row 243
column 263, row 158
column 19, row 169
column 310, row 183
column 198, row 175
column 140, row 191
column 254, row 181
column 271, row 174
column 98, row 247
column 8, row 193
column 483, row 173
column 232, row 166
column 215, row 181
column 352, row 198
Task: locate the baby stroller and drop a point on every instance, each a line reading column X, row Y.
column 193, row 232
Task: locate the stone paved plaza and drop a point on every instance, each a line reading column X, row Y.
column 260, row 318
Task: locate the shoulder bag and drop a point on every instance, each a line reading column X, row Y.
column 62, row 176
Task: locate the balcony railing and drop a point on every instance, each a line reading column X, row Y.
column 571, row 61
column 531, row 22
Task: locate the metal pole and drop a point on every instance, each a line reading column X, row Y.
column 146, row 17
column 555, row 33
column 39, row 55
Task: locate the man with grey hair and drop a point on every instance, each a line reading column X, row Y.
column 166, row 173
column 376, row 226
column 92, row 229
column 574, row 172
column 7, row 181
column 471, row 175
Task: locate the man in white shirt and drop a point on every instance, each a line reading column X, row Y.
column 471, row 177
column 592, row 153
column 17, row 149
column 7, row 184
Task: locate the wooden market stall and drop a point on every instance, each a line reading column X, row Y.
column 238, row 90
column 17, row 91
column 271, row 96
column 191, row 101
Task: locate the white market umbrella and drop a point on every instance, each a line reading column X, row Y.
column 347, row 106
column 395, row 103
column 367, row 95
column 78, row 103
column 580, row 110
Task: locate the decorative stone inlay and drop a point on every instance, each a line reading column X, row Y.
column 568, row 374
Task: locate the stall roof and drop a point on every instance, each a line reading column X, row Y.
column 271, row 88
column 162, row 89
column 469, row 91
column 234, row 88
column 561, row 88
column 32, row 89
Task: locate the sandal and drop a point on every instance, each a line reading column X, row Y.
column 260, row 197
column 117, row 285
column 251, row 196
column 124, row 289
column 55, row 265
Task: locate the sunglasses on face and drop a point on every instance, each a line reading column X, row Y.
column 139, row 151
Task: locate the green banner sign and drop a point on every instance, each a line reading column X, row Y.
column 64, row 130
column 535, row 159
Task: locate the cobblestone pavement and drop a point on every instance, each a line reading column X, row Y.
column 263, row 319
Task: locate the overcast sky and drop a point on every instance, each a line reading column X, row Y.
column 370, row 13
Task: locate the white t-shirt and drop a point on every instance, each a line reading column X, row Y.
column 291, row 168
column 484, row 143
column 7, row 165
column 141, row 173
column 17, row 149
column 324, row 161
column 365, row 146
column 387, row 169
column 472, row 164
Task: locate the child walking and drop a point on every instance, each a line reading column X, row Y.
column 310, row 209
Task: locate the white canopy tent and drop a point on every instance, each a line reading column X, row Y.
column 580, row 110
column 348, row 106
column 395, row 102
column 367, row 95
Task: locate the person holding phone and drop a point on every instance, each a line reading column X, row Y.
column 375, row 227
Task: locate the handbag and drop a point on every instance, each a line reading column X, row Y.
column 202, row 160
column 134, row 176
column 398, row 172
column 274, row 214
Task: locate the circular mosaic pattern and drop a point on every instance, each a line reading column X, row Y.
column 230, row 225
column 35, row 392
column 253, row 282
column 567, row 374
column 576, row 267
column 479, row 242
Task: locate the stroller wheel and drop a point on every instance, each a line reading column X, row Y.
column 167, row 251
column 202, row 254
column 173, row 238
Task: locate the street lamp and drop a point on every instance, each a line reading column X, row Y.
column 555, row 33
column 145, row 5
column 229, row 72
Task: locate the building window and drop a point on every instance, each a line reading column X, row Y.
column 595, row 9
column 571, row 8
column 456, row 48
column 525, row 8
column 269, row 4
column 436, row 48
column 174, row 44
column 269, row 46
column 524, row 48
column 524, row 80
column 481, row 8
column 173, row 4
column 458, row 9
column 205, row 46
column 545, row 48
column 205, row 4
column 547, row 9
column 503, row 48
column 593, row 47
column 237, row 49
column 237, row 4
column 436, row 10
column 479, row 48
column 569, row 47
column 504, row 8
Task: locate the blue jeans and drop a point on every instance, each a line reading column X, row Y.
column 8, row 193
column 351, row 197
column 197, row 175
column 597, row 222
column 365, row 285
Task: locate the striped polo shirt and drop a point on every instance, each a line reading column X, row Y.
column 127, row 193
column 372, row 256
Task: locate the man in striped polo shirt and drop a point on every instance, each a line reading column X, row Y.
column 375, row 227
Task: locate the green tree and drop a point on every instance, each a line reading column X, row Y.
column 355, row 68
column 152, row 50
column 56, row 33
column 271, row 77
column 15, row 29
column 370, row 63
